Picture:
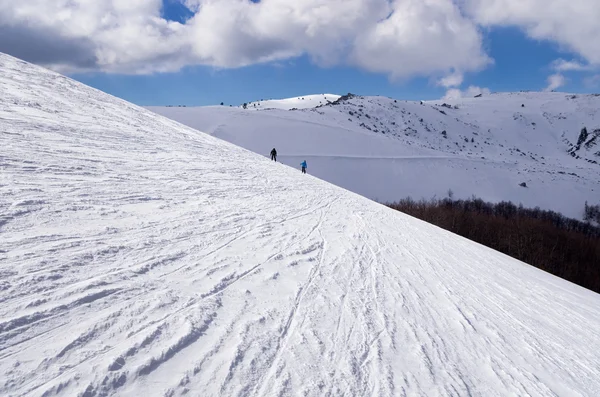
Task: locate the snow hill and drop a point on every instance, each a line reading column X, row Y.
column 387, row 150
column 138, row 259
column 301, row 102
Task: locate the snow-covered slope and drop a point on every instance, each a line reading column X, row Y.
column 138, row 259
column 301, row 102
column 387, row 150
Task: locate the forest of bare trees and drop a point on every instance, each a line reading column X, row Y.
column 565, row 247
column 592, row 213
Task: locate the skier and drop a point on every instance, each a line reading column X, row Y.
column 303, row 164
column 274, row 155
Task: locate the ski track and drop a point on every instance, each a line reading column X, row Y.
column 141, row 257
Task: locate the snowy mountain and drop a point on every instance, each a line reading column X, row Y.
column 138, row 259
column 386, row 149
column 301, row 102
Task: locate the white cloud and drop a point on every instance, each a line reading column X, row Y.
column 419, row 38
column 555, row 81
column 573, row 24
column 119, row 36
column 400, row 38
column 452, row 80
column 470, row 92
column 561, row 65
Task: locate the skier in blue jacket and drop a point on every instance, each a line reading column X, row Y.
column 303, row 164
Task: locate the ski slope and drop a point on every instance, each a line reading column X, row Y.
column 387, row 150
column 138, row 259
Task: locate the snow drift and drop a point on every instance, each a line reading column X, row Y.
column 387, row 150
column 140, row 257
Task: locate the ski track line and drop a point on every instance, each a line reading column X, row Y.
column 29, row 339
column 125, row 303
column 242, row 235
column 193, row 302
column 341, row 316
column 373, row 265
column 288, row 328
column 218, row 289
column 74, row 367
column 250, row 271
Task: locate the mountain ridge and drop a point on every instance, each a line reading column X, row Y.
column 491, row 144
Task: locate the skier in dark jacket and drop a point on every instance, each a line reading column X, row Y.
column 303, row 165
column 274, row 155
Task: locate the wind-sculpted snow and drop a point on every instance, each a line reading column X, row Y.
column 143, row 258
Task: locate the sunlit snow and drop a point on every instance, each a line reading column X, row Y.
column 139, row 257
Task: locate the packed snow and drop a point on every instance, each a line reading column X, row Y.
column 386, row 149
column 301, row 102
column 140, row 257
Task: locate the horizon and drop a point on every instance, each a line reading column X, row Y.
column 195, row 53
column 558, row 92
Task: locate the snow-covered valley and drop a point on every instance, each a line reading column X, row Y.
column 140, row 257
column 386, row 149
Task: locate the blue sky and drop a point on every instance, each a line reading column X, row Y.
column 222, row 62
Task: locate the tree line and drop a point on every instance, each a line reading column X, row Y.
column 591, row 213
column 565, row 247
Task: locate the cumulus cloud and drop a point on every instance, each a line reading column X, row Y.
column 470, row 92
column 572, row 24
column 452, row 80
column 116, row 36
column 400, row 38
column 420, row 37
column 561, row 65
column 38, row 45
column 555, row 81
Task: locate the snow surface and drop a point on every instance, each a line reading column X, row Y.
column 388, row 150
column 140, row 257
column 301, row 102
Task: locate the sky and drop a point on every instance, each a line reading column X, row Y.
column 204, row 52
